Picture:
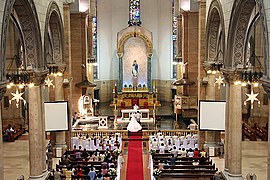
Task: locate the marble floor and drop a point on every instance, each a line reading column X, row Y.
column 254, row 160
column 254, row 153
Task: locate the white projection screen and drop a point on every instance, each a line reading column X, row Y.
column 56, row 116
column 212, row 115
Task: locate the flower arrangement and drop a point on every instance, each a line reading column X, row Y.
column 116, row 152
column 152, row 151
column 157, row 173
column 112, row 172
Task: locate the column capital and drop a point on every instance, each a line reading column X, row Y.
column 230, row 75
column 119, row 54
column 202, row 1
column 38, row 76
column 266, row 85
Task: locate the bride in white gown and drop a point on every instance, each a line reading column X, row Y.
column 133, row 125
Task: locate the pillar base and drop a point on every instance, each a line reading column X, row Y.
column 214, row 145
column 229, row 176
column 59, row 150
column 43, row 176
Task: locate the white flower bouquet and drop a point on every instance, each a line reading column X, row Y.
column 112, row 172
column 157, row 172
column 116, row 152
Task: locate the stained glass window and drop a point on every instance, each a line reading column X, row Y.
column 134, row 12
column 174, row 40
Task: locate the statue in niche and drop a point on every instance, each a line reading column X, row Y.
column 135, row 68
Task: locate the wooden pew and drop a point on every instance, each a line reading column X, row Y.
column 260, row 132
column 210, row 166
column 248, row 132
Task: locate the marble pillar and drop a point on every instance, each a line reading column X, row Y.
column 179, row 56
column 60, row 140
column 266, row 86
column 37, row 141
column 91, row 59
column 210, row 140
column 233, row 128
column 120, row 71
column 201, row 46
column 67, row 55
column 2, row 92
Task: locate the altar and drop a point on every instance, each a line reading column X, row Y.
column 141, row 98
column 144, row 116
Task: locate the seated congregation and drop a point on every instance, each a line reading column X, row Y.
column 99, row 161
column 179, row 157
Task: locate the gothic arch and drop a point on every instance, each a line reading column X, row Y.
column 53, row 36
column 238, row 27
column 215, row 39
column 28, row 20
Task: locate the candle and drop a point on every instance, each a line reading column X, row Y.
column 155, row 106
column 115, row 107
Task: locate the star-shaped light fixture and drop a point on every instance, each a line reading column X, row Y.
column 48, row 82
column 17, row 97
column 219, row 81
column 252, row 97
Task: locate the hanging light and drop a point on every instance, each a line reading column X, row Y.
column 17, row 74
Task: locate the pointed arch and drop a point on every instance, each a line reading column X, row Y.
column 54, row 36
column 215, row 39
column 29, row 24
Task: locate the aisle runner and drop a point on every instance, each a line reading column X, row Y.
column 135, row 160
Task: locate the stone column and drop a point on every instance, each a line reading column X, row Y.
column 67, row 55
column 90, row 58
column 266, row 86
column 60, row 140
column 120, row 70
column 37, row 141
column 2, row 92
column 233, row 127
column 179, row 56
column 149, row 73
column 210, row 140
column 201, row 45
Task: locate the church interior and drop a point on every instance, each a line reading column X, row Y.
column 134, row 89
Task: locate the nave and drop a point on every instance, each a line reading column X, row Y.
column 16, row 163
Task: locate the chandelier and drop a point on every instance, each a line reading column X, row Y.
column 54, row 70
column 215, row 68
column 17, row 74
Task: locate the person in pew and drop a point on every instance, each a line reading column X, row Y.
column 190, row 153
column 202, row 161
column 92, row 174
column 174, row 153
column 8, row 136
column 203, row 153
column 57, row 174
column 162, row 148
column 49, row 156
column 104, row 170
column 99, row 176
column 196, row 153
column 183, row 152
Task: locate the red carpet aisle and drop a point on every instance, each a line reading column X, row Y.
column 135, row 160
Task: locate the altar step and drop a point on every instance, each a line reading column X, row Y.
column 139, row 133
